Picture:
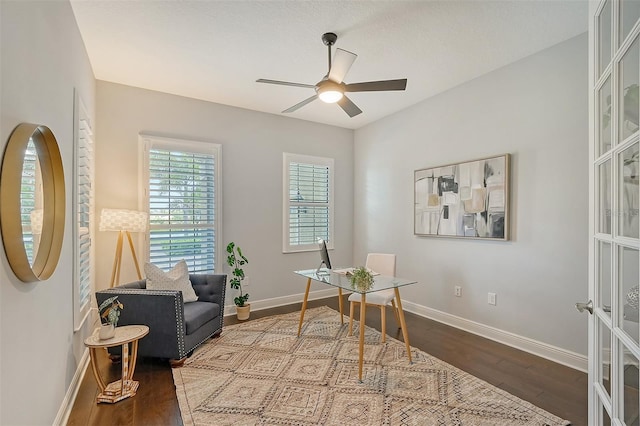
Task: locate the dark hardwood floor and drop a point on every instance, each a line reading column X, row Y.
column 553, row 387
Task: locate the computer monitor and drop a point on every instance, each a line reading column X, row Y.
column 324, row 256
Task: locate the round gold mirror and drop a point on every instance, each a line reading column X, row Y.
column 32, row 202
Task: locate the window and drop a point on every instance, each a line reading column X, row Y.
column 308, row 202
column 182, row 198
column 83, row 203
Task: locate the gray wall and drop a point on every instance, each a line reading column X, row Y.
column 42, row 60
column 252, row 147
column 534, row 109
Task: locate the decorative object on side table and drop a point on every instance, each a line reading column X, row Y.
column 236, row 260
column 109, row 315
column 361, row 278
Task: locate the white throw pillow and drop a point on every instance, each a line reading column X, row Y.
column 175, row 279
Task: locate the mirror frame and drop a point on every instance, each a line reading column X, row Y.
column 50, row 161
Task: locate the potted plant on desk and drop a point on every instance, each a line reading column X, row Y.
column 361, row 279
column 236, row 260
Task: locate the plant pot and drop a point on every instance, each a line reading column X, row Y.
column 242, row 312
column 107, row 331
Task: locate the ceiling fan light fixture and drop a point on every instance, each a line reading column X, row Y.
column 330, row 96
column 329, row 92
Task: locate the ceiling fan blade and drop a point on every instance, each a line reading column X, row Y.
column 376, row 86
column 342, row 61
column 349, row 107
column 301, row 104
column 285, row 83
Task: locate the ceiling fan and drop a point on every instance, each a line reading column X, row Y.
column 332, row 89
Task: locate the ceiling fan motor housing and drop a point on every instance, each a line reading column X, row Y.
column 327, row 85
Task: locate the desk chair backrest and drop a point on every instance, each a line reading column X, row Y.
column 382, row 263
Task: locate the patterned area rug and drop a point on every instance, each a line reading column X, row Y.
column 261, row 373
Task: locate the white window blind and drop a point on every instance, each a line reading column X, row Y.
column 308, row 207
column 182, row 197
column 84, row 258
column 85, row 209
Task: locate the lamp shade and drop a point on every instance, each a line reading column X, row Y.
column 123, row 220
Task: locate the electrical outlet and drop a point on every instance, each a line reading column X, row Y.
column 457, row 291
column 491, row 299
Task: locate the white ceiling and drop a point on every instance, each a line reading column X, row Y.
column 215, row 50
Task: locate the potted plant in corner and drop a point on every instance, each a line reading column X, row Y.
column 236, row 260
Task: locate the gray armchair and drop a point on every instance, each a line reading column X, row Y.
column 175, row 328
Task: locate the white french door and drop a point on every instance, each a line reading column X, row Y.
column 614, row 262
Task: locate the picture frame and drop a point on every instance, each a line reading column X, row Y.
column 464, row 200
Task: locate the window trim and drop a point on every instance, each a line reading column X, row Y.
column 287, row 159
column 145, row 142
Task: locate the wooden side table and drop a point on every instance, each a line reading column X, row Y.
column 125, row 387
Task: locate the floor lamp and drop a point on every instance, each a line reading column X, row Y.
column 124, row 222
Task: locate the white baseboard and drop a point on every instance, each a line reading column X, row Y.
column 544, row 350
column 67, row 403
column 552, row 353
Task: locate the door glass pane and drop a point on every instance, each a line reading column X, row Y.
column 630, row 377
column 629, row 14
column 605, row 357
column 628, row 277
column 629, row 192
column 628, row 97
column 604, row 276
column 604, row 39
column 606, row 129
column 604, row 197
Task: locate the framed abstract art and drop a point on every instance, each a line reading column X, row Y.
column 465, row 200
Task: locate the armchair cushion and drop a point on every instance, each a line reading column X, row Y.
column 175, row 279
column 197, row 314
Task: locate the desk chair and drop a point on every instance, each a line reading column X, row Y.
column 383, row 264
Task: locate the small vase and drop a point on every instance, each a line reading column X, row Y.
column 242, row 312
column 107, row 331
